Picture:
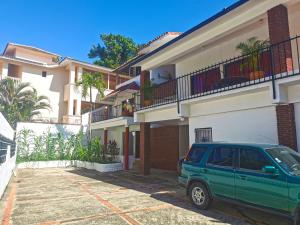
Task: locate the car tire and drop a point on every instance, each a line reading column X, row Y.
column 199, row 195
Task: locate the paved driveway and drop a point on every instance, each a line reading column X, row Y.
column 79, row 196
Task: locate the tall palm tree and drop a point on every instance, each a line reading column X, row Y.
column 19, row 102
column 87, row 82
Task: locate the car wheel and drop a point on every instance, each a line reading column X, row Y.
column 199, row 195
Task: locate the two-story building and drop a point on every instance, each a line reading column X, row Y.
column 55, row 77
column 215, row 92
column 113, row 120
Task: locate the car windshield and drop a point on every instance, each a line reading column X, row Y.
column 288, row 159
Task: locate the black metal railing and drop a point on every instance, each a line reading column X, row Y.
column 268, row 64
column 111, row 112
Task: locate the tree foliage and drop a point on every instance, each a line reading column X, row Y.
column 116, row 50
column 87, row 82
column 19, row 102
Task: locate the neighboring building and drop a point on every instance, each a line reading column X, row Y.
column 56, row 78
column 215, row 95
column 113, row 120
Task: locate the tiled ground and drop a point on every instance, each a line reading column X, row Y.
column 77, row 196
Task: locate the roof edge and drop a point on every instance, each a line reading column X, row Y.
column 197, row 27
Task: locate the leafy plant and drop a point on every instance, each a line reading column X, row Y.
column 53, row 146
column 20, row 102
column 112, row 149
column 148, row 90
column 252, row 48
column 87, row 82
column 116, row 50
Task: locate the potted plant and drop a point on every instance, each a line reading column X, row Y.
column 127, row 108
column 148, row 91
column 252, row 48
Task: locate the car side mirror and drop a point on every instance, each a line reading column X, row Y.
column 270, row 170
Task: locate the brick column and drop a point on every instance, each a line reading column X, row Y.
column 144, row 77
column 126, row 149
column 145, row 162
column 279, row 31
column 286, row 125
column 105, row 139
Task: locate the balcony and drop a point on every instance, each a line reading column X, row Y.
column 274, row 62
column 112, row 112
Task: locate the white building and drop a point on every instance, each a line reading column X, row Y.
column 55, row 77
column 213, row 96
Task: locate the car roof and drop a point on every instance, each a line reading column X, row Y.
column 256, row 145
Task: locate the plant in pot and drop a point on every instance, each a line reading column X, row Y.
column 253, row 48
column 127, row 108
column 148, row 91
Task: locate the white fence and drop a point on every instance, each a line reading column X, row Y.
column 7, row 153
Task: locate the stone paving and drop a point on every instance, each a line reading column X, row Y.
column 79, row 196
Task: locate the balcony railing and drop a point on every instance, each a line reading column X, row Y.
column 111, row 112
column 265, row 65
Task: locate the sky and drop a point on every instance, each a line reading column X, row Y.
column 71, row 27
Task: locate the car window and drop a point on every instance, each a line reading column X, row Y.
column 222, row 156
column 253, row 159
column 195, row 154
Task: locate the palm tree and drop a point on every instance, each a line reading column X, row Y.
column 20, row 102
column 87, row 82
column 252, row 47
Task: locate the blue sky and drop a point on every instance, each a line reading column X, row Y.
column 71, row 27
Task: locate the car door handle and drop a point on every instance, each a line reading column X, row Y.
column 242, row 177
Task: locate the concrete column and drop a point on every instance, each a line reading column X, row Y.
column 4, row 70
column 70, row 106
column 286, row 125
column 108, row 77
column 78, row 107
column 278, row 22
column 72, row 74
column 145, row 161
column 144, row 77
column 126, row 149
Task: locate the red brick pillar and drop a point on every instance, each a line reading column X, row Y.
column 126, row 149
column 145, row 162
column 279, row 31
column 145, row 77
column 286, row 125
column 105, row 139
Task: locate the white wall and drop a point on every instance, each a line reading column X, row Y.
column 162, row 73
column 52, row 86
column 116, row 133
column 39, row 128
column 220, row 50
column 253, row 125
column 297, row 120
column 7, row 167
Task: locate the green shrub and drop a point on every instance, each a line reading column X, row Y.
column 54, row 146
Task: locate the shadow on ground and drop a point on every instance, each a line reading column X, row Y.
column 163, row 186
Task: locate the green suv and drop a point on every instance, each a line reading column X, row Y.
column 256, row 175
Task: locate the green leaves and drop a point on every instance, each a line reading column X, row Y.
column 20, row 102
column 117, row 50
column 89, row 80
column 54, row 146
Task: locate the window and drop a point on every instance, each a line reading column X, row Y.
column 252, row 159
column 203, row 135
column 222, row 156
column 195, row 154
column 44, row 74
